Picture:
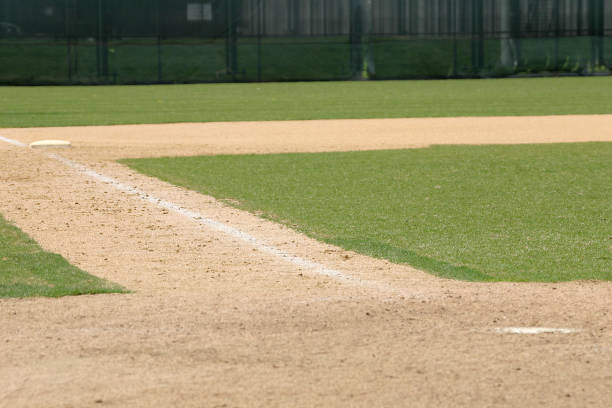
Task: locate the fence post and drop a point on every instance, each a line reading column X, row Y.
column 454, row 28
column 515, row 29
column 68, row 35
column 602, row 32
column 596, row 31
column 356, row 37
column 102, row 43
column 159, row 57
column 231, row 50
column 557, row 18
column 260, row 19
column 507, row 56
column 99, row 39
column 477, row 36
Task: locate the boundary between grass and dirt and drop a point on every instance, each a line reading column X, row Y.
column 201, row 219
column 27, row 107
column 26, row 270
column 314, row 267
column 209, row 312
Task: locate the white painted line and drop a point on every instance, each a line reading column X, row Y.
column 534, row 330
column 201, row 219
column 13, row 142
column 219, row 226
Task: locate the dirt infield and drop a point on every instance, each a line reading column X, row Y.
column 217, row 322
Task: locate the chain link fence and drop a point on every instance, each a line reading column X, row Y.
column 167, row 41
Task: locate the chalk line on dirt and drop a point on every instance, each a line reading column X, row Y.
column 270, row 249
column 13, row 142
column 224, row 228
column 300, row 262
column 261, row 245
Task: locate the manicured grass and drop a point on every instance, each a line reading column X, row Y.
column 26, row 270
column 484, row 213
column 106, row 105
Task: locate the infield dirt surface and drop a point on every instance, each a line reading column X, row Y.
column 214, row 322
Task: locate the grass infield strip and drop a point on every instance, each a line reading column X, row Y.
column 481, row 213
column 26, row 270
column 108, row 105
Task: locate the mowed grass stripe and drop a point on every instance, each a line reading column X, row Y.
column 109, row 105
column 482, row 213
column 26, row 270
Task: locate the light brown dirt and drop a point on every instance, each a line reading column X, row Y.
column 214, row 322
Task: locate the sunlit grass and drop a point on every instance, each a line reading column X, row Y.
column 489, row 213
column 107, row 105
column 26, row 270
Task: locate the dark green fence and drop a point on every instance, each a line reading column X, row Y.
column 162, row 41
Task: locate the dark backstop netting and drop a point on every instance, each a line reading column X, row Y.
column 162, row 41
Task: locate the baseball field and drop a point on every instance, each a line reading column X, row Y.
column 418, row 243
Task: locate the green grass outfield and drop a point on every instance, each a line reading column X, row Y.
column 482, row 213
column 102, row 105
column 26, row 270
column 107, row 105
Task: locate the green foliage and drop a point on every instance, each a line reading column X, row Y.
column 26, row 270
column 432, row 58
column 145, row 60
column 486, row 213
column 106, row 105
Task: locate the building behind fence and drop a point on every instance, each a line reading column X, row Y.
column 164, row 41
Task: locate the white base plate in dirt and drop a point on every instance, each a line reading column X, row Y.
column 50, row 143
column 535, row 330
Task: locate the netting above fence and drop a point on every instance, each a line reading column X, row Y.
column 161, row 41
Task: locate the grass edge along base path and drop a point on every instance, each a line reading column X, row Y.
column 484, row 213
column 26, row 270
column 114, row 105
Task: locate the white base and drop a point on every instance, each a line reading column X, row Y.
column 50, row 143
column 535, row 330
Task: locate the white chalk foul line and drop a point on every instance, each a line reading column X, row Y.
column 219, row 226
column 534, row 330
column 13, row 142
